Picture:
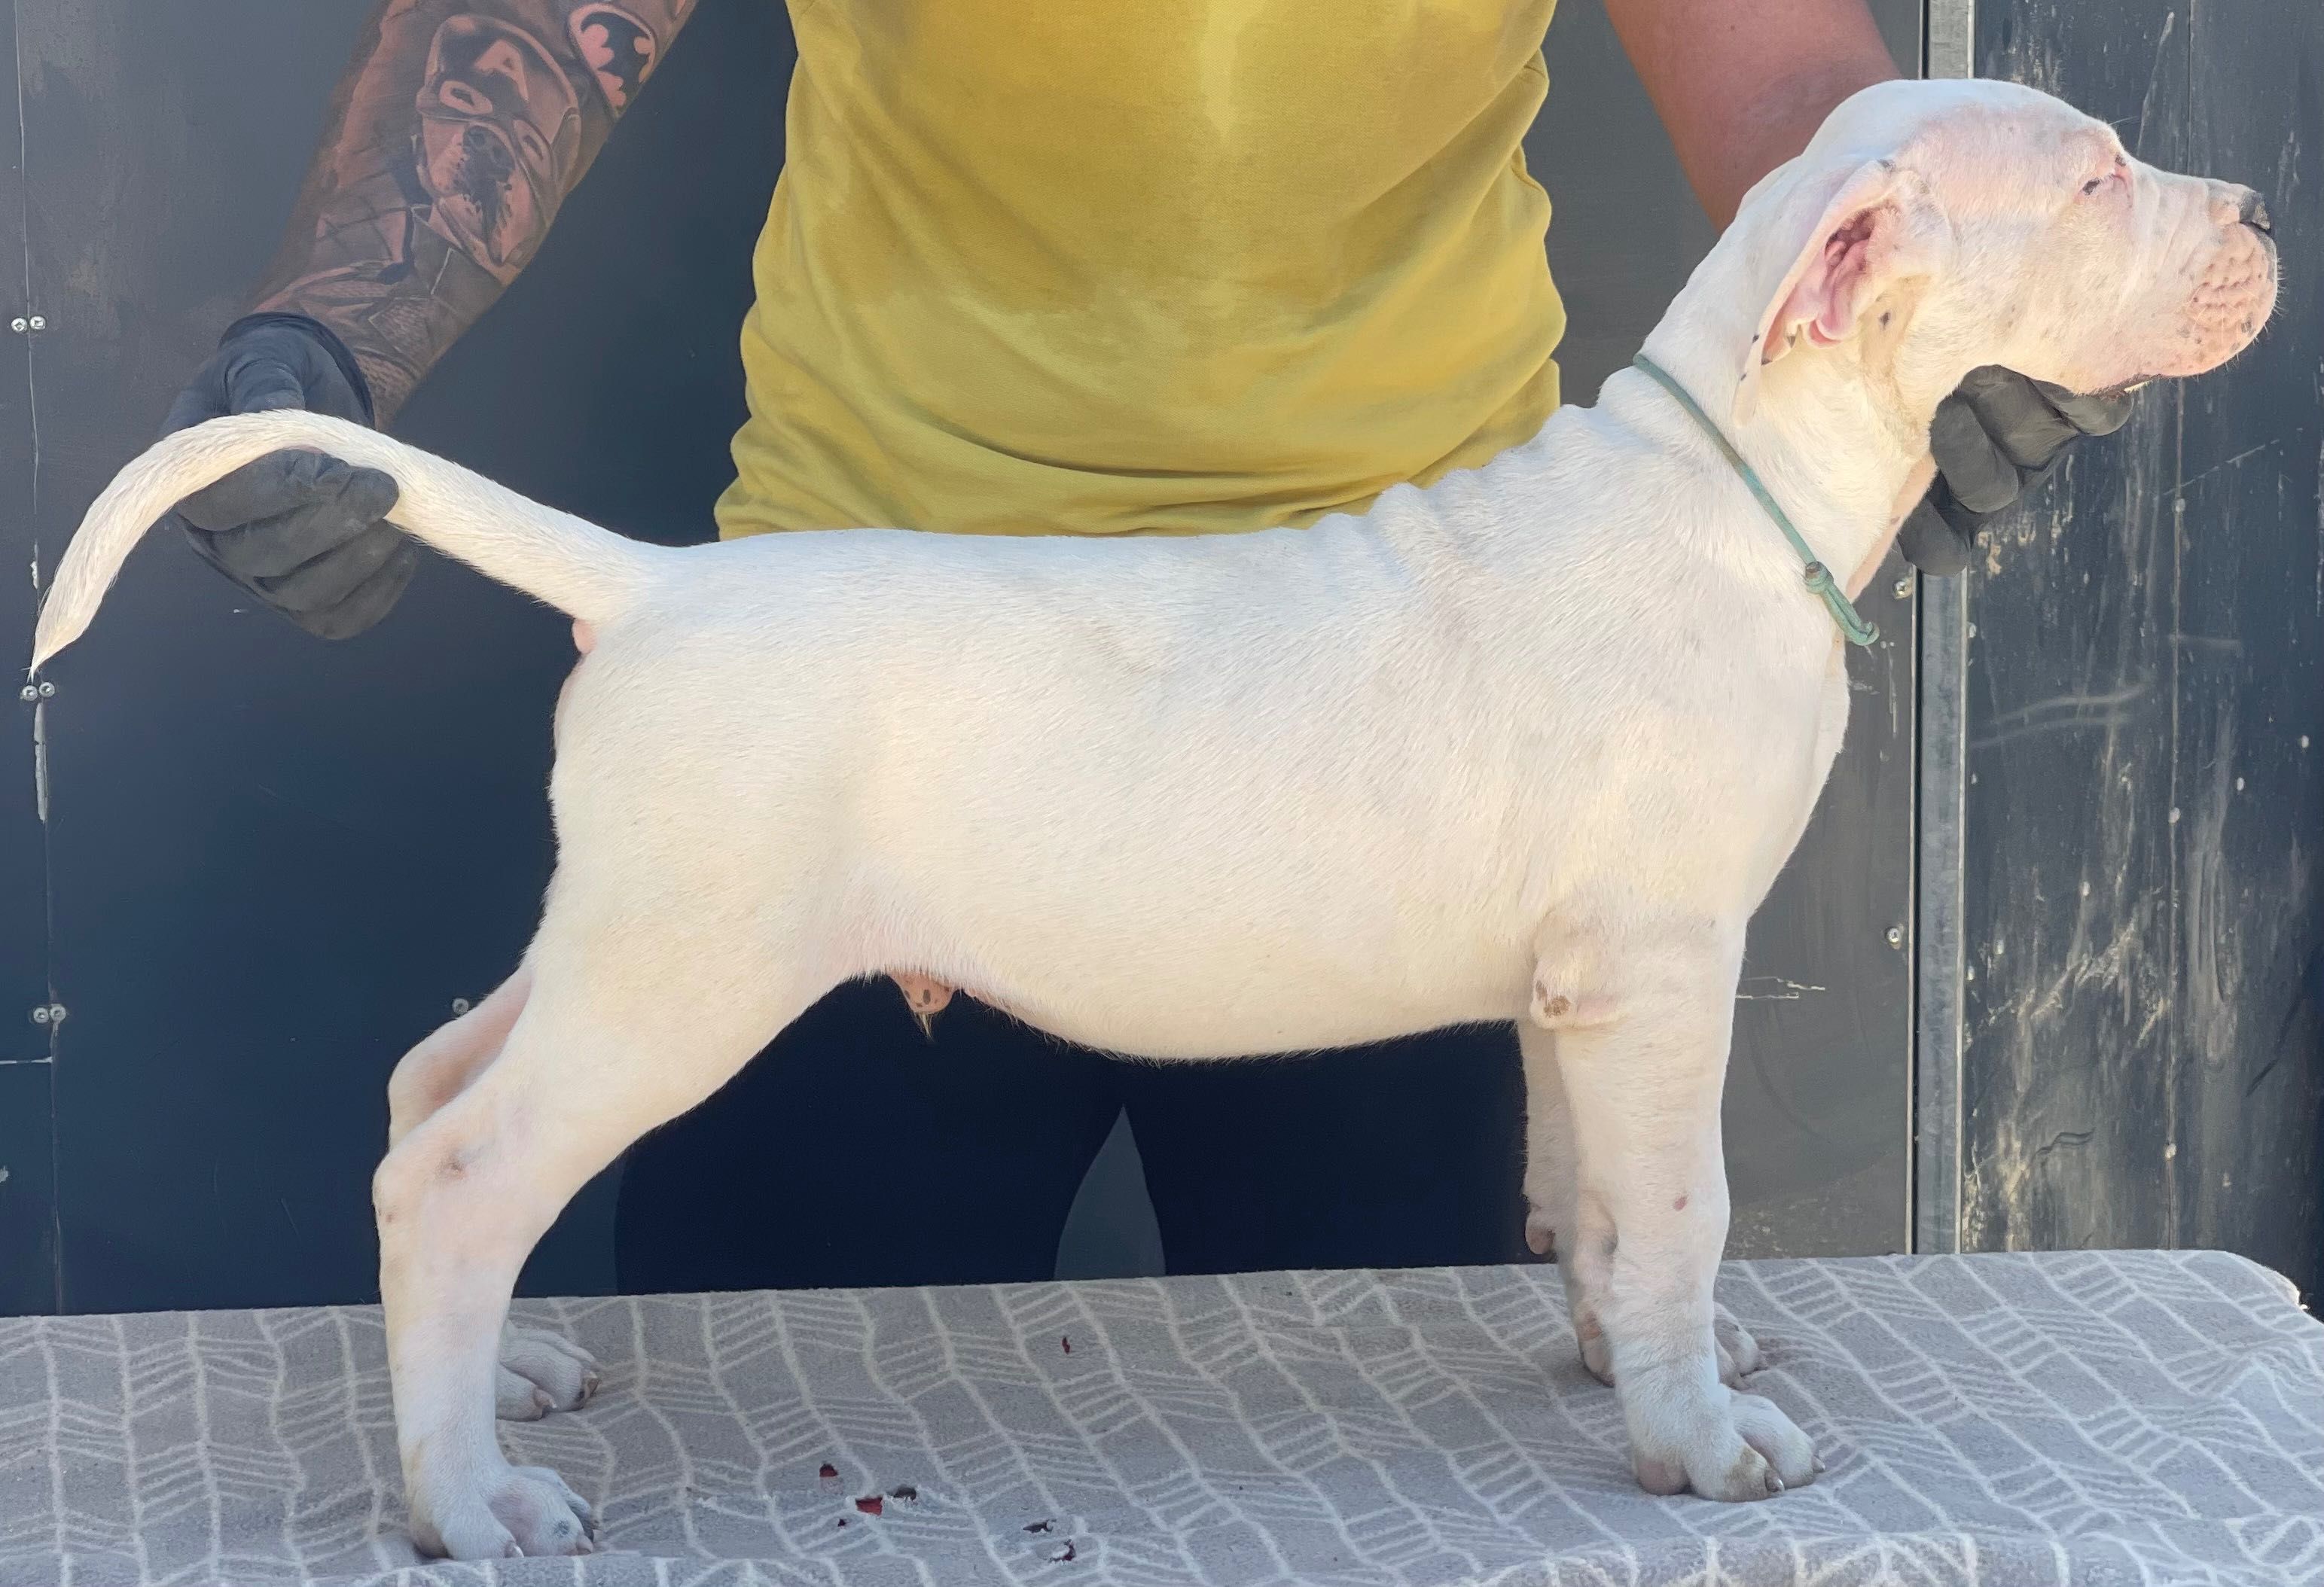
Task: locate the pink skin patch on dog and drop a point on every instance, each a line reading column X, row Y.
column 923, row 994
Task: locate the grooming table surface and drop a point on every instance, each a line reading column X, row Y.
column 2074, row 1417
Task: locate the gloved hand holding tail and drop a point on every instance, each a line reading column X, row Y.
column 583, row 570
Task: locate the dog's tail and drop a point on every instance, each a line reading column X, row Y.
column 571, row 565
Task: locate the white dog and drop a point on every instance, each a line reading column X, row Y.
column 1530, row 744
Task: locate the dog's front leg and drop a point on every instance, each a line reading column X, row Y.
column 1643, row 1092
column 1580, row 1235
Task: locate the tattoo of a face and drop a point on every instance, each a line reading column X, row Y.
column 458, row 134
column 500, row 132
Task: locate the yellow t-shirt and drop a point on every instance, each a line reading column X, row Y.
column 1175, row 265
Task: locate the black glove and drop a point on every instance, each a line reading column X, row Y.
column 1994, row 438
column 303, row 532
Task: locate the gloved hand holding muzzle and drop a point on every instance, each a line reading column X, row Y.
column 1994, row 439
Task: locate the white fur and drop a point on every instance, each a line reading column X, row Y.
column 1538, row 737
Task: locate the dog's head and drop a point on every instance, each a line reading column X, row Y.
column 1930, row 228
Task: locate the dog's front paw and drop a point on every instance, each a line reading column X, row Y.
column 540, row 1372
column 1732, row 1448
column 523, row 1512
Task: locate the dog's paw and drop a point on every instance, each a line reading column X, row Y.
column 1735, row 1448
column 548, row 1478
column 1589, row 1328
column 1541, row 1234
column 523, row 1512
column 1738, row 1353
column 540, row 1372
column 1597, row 1351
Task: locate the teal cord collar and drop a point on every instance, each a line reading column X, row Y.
column 1852, row 628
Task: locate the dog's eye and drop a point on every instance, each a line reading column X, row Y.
column 2117, row 172
column 2094, row 184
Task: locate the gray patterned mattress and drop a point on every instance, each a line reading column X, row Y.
column 2075, row 1418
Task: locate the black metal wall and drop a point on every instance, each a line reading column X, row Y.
column 28, row 1206
column 275, row 862
column 2145, row 694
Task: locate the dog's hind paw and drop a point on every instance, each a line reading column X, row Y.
column 540, row 1372
column 1738, row 1353
column 1541, row 1234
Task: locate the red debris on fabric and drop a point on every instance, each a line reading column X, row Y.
column 871, row 1504
column 1061, row 1554
column 1067, row 1343
column 828, row 1472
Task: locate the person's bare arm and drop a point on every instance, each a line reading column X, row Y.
column 1741, row 85
column 453, row 140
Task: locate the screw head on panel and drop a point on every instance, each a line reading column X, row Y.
column 36, row 324
column 20, row 324
column 1896, row 936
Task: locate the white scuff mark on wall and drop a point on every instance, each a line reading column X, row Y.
column 41, row 762
column 1774, row 989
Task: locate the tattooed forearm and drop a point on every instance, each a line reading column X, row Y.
column 457, row 134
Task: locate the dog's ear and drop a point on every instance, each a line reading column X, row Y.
column 1840, row 245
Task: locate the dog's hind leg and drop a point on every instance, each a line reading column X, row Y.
column 636, row 1014
column 452, row 1055
column 1557, row 1219
column 1644, row 1092
column 539, row 1371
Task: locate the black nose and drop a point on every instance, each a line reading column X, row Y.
column 2254, row 214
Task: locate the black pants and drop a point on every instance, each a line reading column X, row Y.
column 853, row 1151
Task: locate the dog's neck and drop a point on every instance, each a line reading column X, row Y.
column 1836, row 434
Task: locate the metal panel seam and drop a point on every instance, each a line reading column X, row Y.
column 1939, row 961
